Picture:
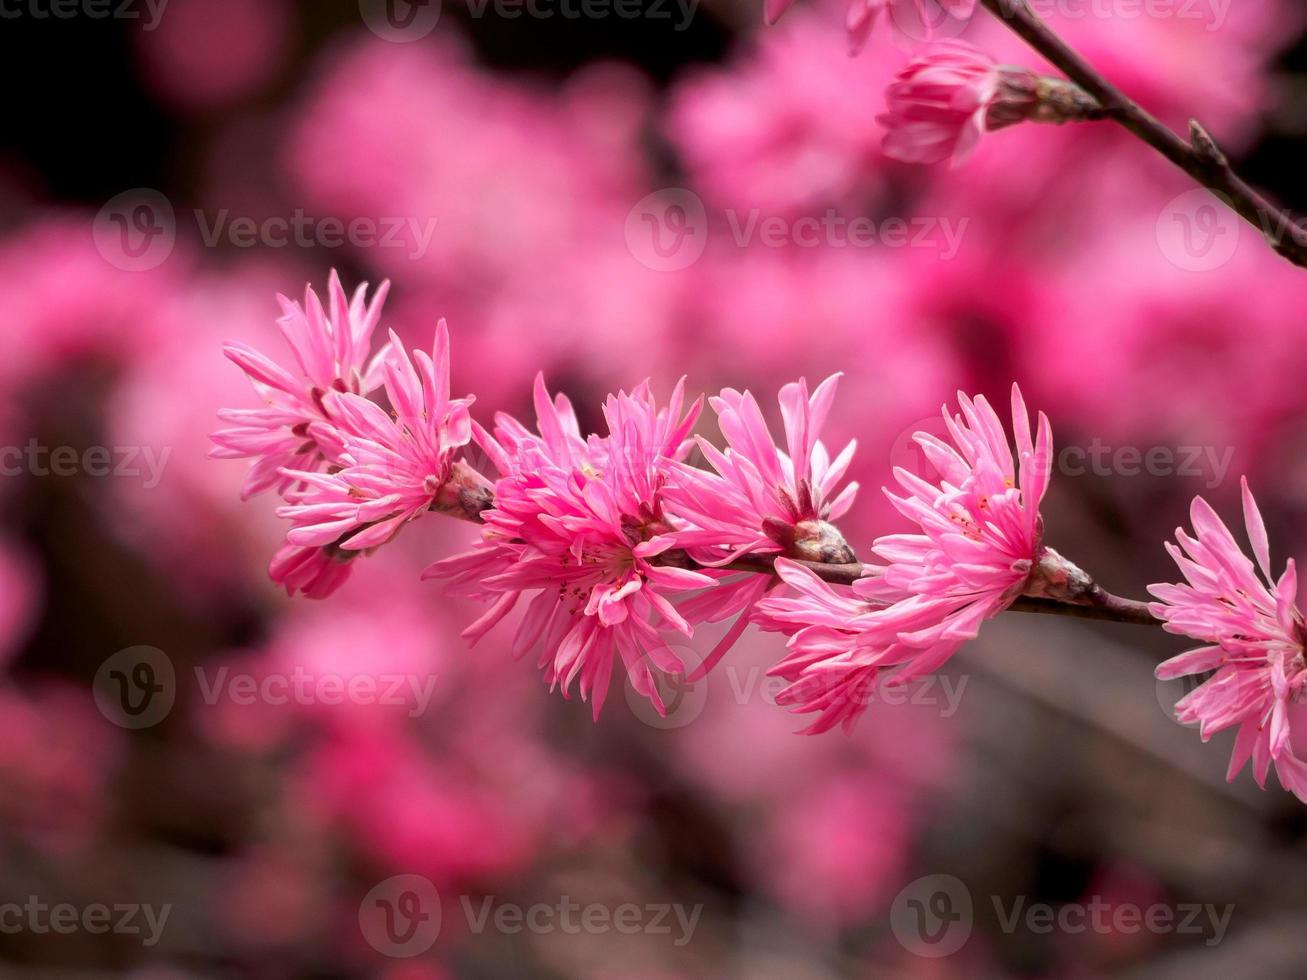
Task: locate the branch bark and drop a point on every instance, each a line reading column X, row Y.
column 467, row 495
column 1201, row 158
column 1097, row 603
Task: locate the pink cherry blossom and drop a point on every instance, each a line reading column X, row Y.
column 761, row 499
column 579, row 524
column 938, row 104
column 392, row 469
column 979, row 548
column 331, row 349
column 1254, row 635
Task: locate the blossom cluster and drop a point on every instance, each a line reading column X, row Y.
column 613, row 543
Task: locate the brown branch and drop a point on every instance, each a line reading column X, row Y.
column 1200, row 158
column 1097, row 602
column 467, row 495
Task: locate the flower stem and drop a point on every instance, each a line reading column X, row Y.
column 1094, row 603
column 1201, row 158
column 470, row 495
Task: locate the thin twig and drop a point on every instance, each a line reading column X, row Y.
column 1200, row 158
column 1098, row 603
column 467, row 495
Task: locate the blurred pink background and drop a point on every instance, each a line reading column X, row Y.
column 605, row 200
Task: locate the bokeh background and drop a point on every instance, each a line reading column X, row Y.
column 607, row 198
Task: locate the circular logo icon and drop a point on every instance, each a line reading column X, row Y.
column 1170, row 692
column 906, row 453
column 400, row 21
column 136, row 230
column 136, row 688
column 401, row 916
column 683, row 699
column 1197, row 231
column 932, row 916
column 667, row 230
column 923, row 21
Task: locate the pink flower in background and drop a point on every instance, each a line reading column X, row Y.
column 938, row 104
column 1255, row 635
column 58, row 763
column 331, row 351
column 580, row 523
column 979, row 546
column 20, row 598
column 66, row 303
column 199, row 55
column 1222, row 340
column 913, row 18
column 778, row 127
column 192, row 523
column 392, row 470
